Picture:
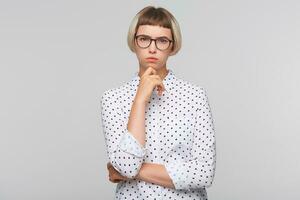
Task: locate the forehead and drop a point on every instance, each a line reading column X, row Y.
column 154, row 31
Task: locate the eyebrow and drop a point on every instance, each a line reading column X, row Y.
column 156, row 37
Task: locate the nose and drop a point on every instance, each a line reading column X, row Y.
column 152, row 47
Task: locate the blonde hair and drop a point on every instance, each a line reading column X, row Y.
column 155, row 16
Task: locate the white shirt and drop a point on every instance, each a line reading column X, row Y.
column 179, row 135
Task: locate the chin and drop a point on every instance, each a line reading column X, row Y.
column 154, row 65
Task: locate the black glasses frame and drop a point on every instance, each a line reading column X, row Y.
column 151, row 39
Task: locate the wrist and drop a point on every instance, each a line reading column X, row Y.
column 140, row 101
column 139, row 176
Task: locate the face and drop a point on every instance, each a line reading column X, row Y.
column 151, row 51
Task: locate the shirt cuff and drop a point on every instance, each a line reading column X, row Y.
column 130, row 145
column 177, row 174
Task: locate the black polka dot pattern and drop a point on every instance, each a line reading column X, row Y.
column 179, row 135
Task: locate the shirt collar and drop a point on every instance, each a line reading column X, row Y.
column 168, row 81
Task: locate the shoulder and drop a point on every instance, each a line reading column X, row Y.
column 194, row 93
column 114, row 94
column 194, row 89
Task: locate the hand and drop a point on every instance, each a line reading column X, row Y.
column 148, row 81
column 114, row 175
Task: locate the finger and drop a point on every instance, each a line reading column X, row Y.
column 113, row 180
column 160, row 90
column 155, row 76
column 160, row 85
column 158, row 78
column 158, row 81
column 109, row 169
column 149, row 71
column 116, row 177
column 116, row 180
column 110, row 166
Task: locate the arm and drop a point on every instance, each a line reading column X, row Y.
column 155, row 173
column 125, row 140
column 123, row 143
column 199, row 171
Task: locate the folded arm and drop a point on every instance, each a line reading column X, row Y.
column 124, row 140
column 199, row 170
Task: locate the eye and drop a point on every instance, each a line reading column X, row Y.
column 144, row 39
column 163, row 40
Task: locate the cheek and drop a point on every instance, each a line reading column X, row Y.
column 163, row 59
column 139, row 55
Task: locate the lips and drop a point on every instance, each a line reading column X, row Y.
column 151, row 58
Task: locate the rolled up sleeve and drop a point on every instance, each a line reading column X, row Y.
column 198, row 171
column 125, row 153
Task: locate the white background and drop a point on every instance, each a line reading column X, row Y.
column 58, row 57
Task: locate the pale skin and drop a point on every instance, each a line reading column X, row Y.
column 151, row 75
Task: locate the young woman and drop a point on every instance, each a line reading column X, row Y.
column 158, row 127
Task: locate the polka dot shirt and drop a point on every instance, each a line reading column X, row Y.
column 179, row 135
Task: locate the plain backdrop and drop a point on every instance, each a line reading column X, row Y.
column 58, row 57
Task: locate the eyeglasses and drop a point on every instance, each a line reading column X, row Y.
column 161, row 43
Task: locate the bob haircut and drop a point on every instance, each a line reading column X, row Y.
column 155, row 16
